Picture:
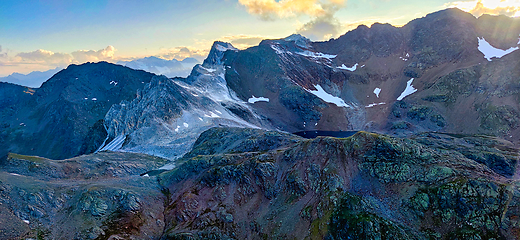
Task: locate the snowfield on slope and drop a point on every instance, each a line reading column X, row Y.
column 408, row 91
column 328, row 97
column 316, row 55
column 492, row 52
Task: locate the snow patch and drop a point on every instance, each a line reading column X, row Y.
column 492, row 52
column 186, row 125
column 113, row 82
column 316, row 55
column 146, row 175
column 254, row 99
column 277, row 50
column 177, row 128
column 409, row 90
column 15, row 174
column 374, row 104
column 26, row 221
column 352, row 69
column 377, row 91
column 94, row 99
column 328, row 97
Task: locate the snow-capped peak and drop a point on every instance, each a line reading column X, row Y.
column 299, row 40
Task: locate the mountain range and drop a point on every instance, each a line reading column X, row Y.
column 159, row 66
column 32, row 79
column 433, row 107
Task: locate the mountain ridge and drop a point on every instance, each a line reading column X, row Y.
column 294, row 84
column 435, row 107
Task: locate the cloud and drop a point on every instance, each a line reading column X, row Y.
column 50, row 58
column 82, row 56
column 42, row 60
column 270, row 9
column 322, row 28
column 243, row 41
column 509, row 8
column 41, row 56
column 183, row 52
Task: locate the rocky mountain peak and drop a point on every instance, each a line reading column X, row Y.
column 299, row 40
column 217, row 52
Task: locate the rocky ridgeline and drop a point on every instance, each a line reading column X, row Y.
column 355, row 82
column 431, row 74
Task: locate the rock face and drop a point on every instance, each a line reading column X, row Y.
column 64, row 117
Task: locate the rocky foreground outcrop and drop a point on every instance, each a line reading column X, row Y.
column 253, row 184
column 87, row 197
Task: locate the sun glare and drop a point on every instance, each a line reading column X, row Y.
column 494, row 7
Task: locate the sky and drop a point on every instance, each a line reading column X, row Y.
column 38, row 35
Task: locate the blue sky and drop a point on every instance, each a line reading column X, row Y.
column 44, row 34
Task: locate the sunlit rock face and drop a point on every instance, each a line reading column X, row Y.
column 448, row 71
column 64, row 117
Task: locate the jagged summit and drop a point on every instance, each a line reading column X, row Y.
column 299, row 40
column 217, row 52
